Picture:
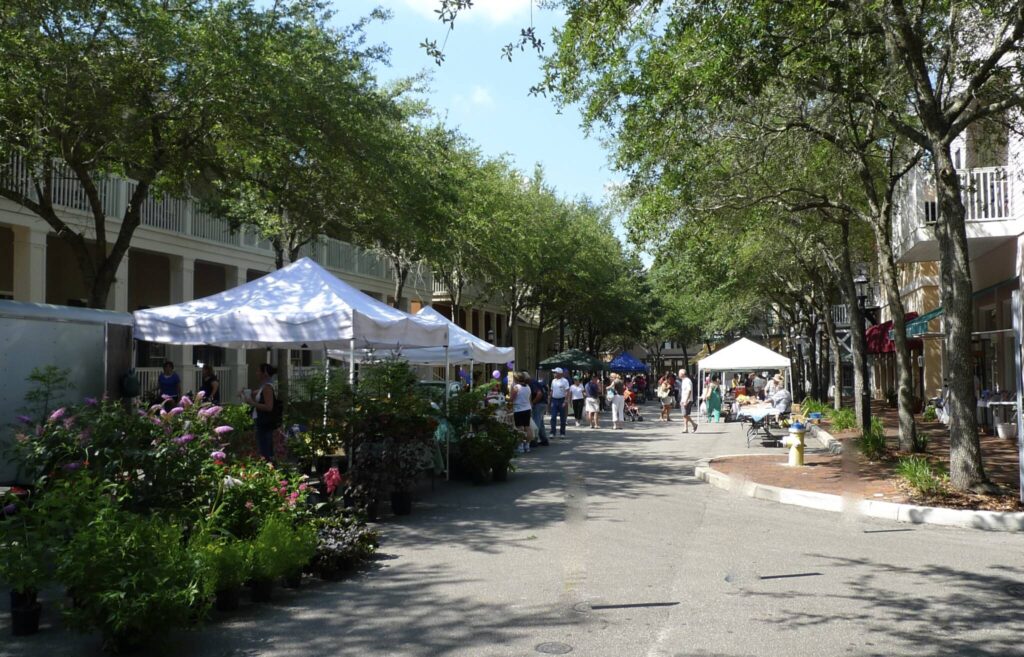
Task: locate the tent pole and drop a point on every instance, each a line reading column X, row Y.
column 351, row 382
column 448, row 434
column 327, row 383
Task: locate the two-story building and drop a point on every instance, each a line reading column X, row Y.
column 181, row 253
column 990, row 160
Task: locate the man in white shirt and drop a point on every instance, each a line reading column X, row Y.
column 686, row 400
column 559, row 399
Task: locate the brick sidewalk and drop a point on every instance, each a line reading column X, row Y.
column 850, row 474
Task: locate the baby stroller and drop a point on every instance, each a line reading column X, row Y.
column 631, row 410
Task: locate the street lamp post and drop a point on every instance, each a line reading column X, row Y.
column 861, row 283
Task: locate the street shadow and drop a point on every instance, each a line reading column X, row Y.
column 945, row 612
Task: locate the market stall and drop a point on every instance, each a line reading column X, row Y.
column 744, row 355
column 626, row 363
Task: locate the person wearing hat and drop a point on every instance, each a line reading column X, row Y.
column 559, row 398
column 773, row 386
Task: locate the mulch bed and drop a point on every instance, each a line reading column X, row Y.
column 851, row 474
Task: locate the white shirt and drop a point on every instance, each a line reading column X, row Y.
column 686, row 391
column 559, row 387
column 521, row 398
column 771, row 388
column 577, row 391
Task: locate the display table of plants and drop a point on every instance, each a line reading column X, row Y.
column 147, row 519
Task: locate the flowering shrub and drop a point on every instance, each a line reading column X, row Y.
column 252, row 491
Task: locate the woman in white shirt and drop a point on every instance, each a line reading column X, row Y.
column 578, row 395
column 522, row 409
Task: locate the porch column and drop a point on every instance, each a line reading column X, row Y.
column 30, row 263
column 183, row 288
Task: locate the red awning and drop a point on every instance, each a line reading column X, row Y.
column 877, row 337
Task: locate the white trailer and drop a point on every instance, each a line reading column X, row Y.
column 95, row 345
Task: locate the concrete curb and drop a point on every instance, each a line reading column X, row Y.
column 833, row 445
column 1002, row 521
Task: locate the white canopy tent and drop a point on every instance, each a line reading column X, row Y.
column 745, row 355
column 463, row 346
column 299, row 306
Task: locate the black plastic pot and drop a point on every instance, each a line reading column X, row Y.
column 372, row 511
column 499, row 472
column 25, row 620
column 480, row 476
column 294, row 580
column 401, row 502
column 227, row 599
column 262, row 590
column 25, row 598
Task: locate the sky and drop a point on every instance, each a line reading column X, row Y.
column 484, row 96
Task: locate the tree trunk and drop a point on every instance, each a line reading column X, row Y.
column 891, row 283
column 966, row 471
column 401, row 275
column 540, row 331
column 837, row 359
column 857, row 342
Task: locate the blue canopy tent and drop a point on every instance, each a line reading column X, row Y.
column 626, row 363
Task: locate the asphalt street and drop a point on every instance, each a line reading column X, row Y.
column 605, row 545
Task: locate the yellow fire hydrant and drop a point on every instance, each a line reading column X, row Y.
column 795, row 440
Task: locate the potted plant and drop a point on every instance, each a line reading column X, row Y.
column 277, row 553
column 405, row 459
column 503, row 444
column 298, row 552
column 227, row 561
column 22, row 563
column 342, row 543
column 368, row 478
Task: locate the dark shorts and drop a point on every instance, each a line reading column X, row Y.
column 522, row 418
column 687, row 407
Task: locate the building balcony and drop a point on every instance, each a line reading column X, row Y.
column 177, row 216
column 991, row 197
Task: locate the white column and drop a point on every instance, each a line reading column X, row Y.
column 183, row 287
column 119, row 299
column 30, row 263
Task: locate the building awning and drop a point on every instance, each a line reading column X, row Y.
column 879, row 337
column 919, row 326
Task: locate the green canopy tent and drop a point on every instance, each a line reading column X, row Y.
column 572, row 359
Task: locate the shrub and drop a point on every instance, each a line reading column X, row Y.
column 921, row 475
column 23, row 545
column 226, row 561
column 810, row 405
column 280, row 550
column 872, row 441
column 342, row 543
column 131, row 577
column 842, row 419
column 250, row 492
column 930, row 414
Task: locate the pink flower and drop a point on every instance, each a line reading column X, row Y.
column 303, row 487
column 91, row 401
column 184, row 401
column 200, row 395
column 210, row 411
column 177, row 410
column 57, row 414
column 166, row 397
column 155, row 407
column 71, row 467
column 155, row 420
column 332, row 478
column 223, row 429
column 249, row 505
column 24, row 419
column 184, row 440
column 85, row 437
column 68, row 421
column 218, row 455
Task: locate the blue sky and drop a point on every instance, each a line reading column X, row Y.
column 485, row 96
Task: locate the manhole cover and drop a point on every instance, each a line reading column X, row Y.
column 1016, row 590
column 554, row 648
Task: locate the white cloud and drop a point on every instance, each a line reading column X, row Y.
column 482, row 97
column 495, row 11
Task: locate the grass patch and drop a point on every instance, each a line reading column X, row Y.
column 923, row 477
column 872, row 441
column 842, row 419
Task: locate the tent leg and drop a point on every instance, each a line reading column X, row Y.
column 447, row 436
column 351, row 382
column 327, row 383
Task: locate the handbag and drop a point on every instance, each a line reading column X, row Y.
column 609, row 394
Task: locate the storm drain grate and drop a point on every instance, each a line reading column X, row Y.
column 553, row 648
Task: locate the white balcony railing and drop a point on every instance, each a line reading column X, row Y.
column 184, row 216
column 987, row 193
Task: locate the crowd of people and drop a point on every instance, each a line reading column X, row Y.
column 677, row 391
